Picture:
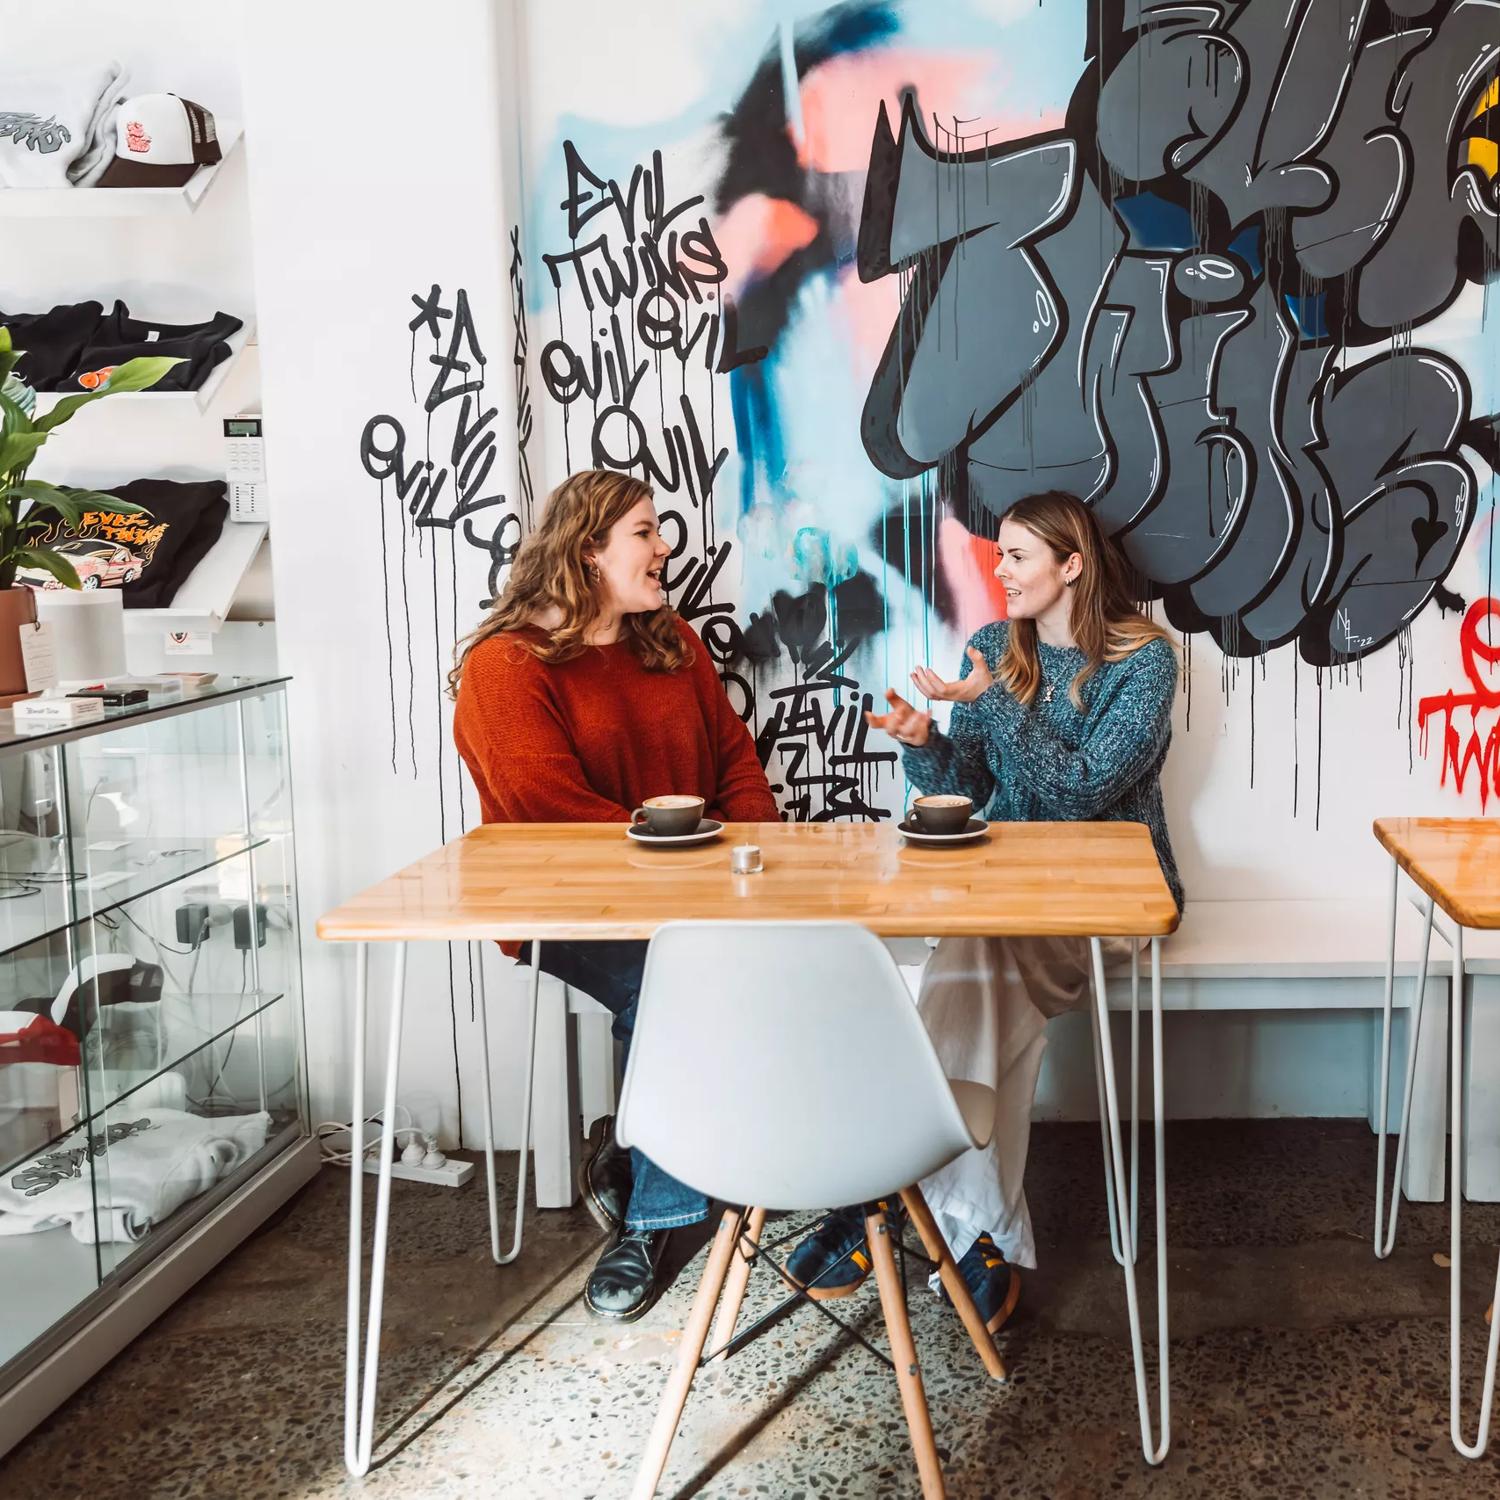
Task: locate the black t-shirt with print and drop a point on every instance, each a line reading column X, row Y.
column 146, row 556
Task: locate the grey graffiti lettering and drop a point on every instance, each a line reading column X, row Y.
column 1195, row 308
column 33, row 132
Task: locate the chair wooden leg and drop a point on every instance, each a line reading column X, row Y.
column 904, row 1356
column 689, row 1351
column 952, row 1278
column 735, row 1283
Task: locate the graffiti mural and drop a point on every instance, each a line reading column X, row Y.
column 447, row 494
column 1220, row 269
column 633, row 373
column 1168, row 307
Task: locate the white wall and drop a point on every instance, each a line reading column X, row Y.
column 376, row 173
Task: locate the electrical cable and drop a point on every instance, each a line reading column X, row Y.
column 328, row 1128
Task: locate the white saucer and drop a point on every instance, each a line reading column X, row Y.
column 976, row 830
column 707, row 829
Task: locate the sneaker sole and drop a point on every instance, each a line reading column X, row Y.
column 596, row 1210
column 829, row 1293
column 1001, row 1317
column 832, row 1293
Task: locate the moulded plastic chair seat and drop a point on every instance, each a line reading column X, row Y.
column 783, row 1065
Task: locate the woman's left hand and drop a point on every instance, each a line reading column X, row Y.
column 965, row 690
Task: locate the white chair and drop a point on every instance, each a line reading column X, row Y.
column 782, row 1065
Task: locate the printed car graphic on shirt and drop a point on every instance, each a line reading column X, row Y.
column 98, row 563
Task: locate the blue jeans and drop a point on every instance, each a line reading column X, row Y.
column 611, row 972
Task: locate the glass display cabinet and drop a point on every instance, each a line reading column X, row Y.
column 153, row 1105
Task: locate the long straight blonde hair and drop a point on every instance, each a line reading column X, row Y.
column 551, row 571
column 1106, row 622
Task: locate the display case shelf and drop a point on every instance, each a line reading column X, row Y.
column 51, row 1265
column 202, row 603
column 34, row 902
column 215, row 1020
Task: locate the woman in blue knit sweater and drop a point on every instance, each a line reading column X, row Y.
column 1061, row 713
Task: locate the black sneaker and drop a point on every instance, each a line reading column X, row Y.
column 993, row 1282
column 832, row 1259
column 604, row 1176
column 623, row 1283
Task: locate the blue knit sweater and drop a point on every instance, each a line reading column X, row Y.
column 1051, row 763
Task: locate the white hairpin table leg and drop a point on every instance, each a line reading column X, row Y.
column 1455, row 1246
column 359, row 1405
column 489, row 1116
column 1111, row 1212
column 1154, row 1451
column 1385, row 1238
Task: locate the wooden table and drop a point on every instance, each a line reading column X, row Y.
column 549, row 881
column 1455, row 863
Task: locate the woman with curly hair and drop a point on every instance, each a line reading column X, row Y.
column 581, row 695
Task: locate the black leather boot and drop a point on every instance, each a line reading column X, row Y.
column 623, row 1283
column 604, row 1176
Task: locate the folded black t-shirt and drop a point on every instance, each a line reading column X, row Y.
column 118, row 326
column 119, row 337
column 146, row 556
column 53, row 341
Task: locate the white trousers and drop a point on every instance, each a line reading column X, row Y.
column 986, row 1003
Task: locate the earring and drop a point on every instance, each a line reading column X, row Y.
column 595, row 576
column 1069, row 582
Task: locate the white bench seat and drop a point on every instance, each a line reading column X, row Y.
column 1307, row 956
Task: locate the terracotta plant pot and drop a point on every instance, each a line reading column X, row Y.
column 17, row 608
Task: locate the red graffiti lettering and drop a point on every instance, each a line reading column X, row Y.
column 1477, row 752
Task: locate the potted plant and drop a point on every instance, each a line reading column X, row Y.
column 31, row 509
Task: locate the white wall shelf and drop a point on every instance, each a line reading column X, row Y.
column 203, row 600
column 196, row 401
column 120, row 203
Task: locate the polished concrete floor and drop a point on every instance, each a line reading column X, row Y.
column 1300, row 1365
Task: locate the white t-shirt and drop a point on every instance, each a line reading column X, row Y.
column 57, row 124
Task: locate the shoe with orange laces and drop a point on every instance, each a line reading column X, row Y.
column 832, row 1259
column 993, row 1282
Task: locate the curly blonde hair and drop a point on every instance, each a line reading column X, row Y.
column 551, row 572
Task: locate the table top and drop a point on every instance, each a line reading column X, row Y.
column 1456, row 861
column 588, row 880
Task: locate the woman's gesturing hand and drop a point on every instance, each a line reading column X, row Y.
column 904, row 723
column 966, row 690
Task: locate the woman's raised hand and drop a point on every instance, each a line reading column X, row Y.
column 965, row 690
column 904, row 723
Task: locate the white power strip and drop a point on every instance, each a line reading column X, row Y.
column 451, row 1174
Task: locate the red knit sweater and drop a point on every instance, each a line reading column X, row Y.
column 587, row 740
